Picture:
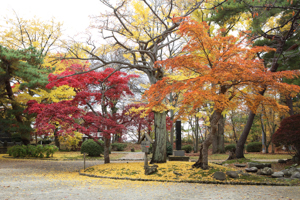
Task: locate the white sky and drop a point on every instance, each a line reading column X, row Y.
column 73, row 13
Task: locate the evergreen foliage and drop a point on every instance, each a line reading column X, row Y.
column 187, row 148
column 254, row 147
column 118, row 146
column 169, row 148
column 92, row 148
column 230, row 147
column 21, row 68
column 32, row 151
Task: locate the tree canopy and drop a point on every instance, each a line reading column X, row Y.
column 223, row 72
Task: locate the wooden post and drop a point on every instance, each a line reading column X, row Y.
column 83, row 161
column 145, row 148
column 145, row 160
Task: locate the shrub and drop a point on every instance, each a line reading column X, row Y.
column 187, row 140
column 254, row 147
column 118, row 146
column 230, row 147
column 32, row 151
column 17, row 151
column 169, row 149
column 91, row 148
column 187, row 148
column 50, row 150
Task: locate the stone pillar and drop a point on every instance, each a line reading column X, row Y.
column 178, row 135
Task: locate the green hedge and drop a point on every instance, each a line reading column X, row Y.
column 92, row 148
column 187, row 148
column 32, row 151
column 118, row 146
column 230, row 147
column 254, row 147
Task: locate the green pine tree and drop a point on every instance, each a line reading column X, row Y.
column 19, row 67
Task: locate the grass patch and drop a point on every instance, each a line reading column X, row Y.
column 189, row 174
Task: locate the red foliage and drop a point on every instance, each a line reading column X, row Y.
column 289, row 132
column 89, row 111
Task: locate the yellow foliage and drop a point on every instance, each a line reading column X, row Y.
column 165, row 171
column 140, row 109
column 21, row 33
column 274, row 22
column 43, row 35
column 69, row 141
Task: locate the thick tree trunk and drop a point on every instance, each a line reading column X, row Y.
column 218, row 140
column 196, row 135
column 233, row 128
column 106, row 150
column 57, row 143
column 25, row 136
column 221, row 126
column 56, row 140
column 244, row 135
column 203, row 157
column 159, row 147
column 139, row 133
column 289, row 103
column 264, row 136
column 297, row 148
column 172, row 126
column 215, row 143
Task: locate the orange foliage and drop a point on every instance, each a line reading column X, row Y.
column 223, row 71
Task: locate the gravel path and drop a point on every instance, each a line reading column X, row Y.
column 28, row 179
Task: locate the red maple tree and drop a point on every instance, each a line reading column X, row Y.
column 92, row 111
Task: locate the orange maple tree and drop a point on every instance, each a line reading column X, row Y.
column 219, row 71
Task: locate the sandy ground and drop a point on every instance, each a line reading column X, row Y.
column 27, row 179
